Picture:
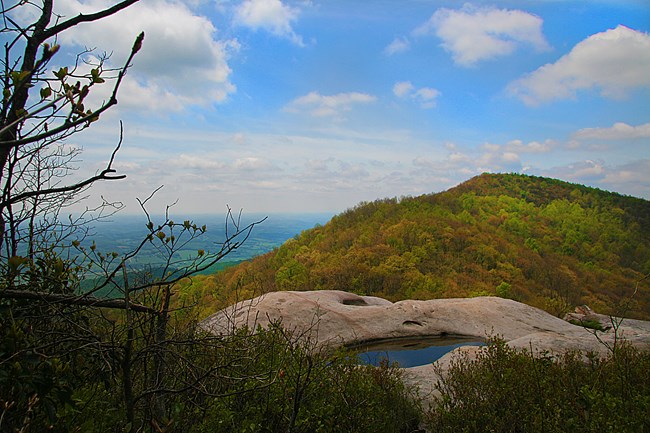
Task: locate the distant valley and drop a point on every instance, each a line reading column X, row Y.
column 122, row 234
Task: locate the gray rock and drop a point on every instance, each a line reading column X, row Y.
column 334, row 318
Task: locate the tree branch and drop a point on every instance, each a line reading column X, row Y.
column 84, row 119
column 81, row 18
column 75, row 300
column 103, row 175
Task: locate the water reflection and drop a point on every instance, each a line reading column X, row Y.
column 412, row 352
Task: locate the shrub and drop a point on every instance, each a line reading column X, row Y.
column 503, row 290
column 267, row 381
column 311, row 392
column 591, row 324
column 506, row 390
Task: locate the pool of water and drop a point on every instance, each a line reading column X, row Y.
column 412, row 352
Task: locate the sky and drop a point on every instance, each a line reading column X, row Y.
column 317, row 105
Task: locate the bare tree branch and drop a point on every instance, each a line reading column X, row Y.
column 81, row 18
column 75, row 300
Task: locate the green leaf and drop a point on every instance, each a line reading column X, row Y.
column 16, row 262
column 94, row 73
column 46, row 92
column 61, row 73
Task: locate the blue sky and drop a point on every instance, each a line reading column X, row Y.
column 299, row 106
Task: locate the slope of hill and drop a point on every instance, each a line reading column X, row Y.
column 542, row 241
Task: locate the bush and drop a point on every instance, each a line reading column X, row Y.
column 590, row 324
column 310, row 392
column 268, row 381
column 506, row 390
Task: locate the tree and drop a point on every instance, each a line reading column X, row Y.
column 57, row 338
column 40, row 109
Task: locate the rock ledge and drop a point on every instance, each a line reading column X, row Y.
column 335, row 318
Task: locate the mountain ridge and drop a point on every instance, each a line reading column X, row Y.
column 545, row 242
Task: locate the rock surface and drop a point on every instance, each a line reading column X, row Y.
column 335, row 318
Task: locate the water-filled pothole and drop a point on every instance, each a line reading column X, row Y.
column 413, row 351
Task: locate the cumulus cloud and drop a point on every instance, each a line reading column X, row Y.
column 181, row 62
column 402, row 88
column 399, row 45
column 251, row 163
column 270, row 15
column 630, row 177
column 613, row 62
column 197, row 162
column 328, row 105
column 618, row 131
column 498, row 161
column 508, row 156
column 425, row 96
column 530, row 147
column 473, row 34
column 587, row 171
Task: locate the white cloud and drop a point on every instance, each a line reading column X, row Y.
column 613, row 61
column 631, row 177
column 270, row 15
column 473, row 34
column 586, row 172
column 399, row 45
column 328, row 105
column 180, row 63
column 508, row 156
column 530, row 147
column 458, row 157
column 402, row 88
column 251, row 163
column 618, row 131
column 197, row 162
column 426, row 96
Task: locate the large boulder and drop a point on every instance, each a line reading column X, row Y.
column 334, row 318
column 339, row 318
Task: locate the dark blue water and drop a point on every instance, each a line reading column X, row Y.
column 411, row 353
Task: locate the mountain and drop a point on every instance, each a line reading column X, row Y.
column 545, row 242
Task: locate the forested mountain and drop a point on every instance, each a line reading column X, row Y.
column 542, row 241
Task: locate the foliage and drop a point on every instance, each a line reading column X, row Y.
column 506, row 390
column 310, row 391
column 591, row 324
column 269, row 381
column 548, row 243
column 124, row 352
column 62, row 352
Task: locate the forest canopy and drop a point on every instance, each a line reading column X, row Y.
column 542, row 241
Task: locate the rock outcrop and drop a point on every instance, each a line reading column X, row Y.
column 335, row 318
